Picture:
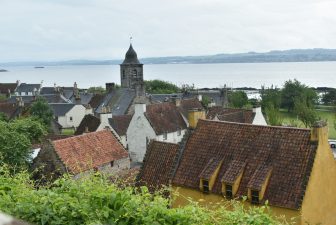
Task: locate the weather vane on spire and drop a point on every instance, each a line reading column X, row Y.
column 131, row 39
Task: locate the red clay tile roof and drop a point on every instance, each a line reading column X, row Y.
column 4, row 87
column 87, row 151
column 9, row 109
column 231, row 115
column 210, row 168
column 287, row 150
column 188, row 104
column 164, row 117
column 158, row 165
column 235, row 169
column 120, row 123
column 259, row 177
column 89, row 121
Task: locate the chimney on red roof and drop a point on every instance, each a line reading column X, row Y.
column 319, row 132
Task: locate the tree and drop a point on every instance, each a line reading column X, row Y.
column 33, row 129
column 160, row 87
column 97, row 90
column 205, row 101
column 270, row 97
column 294, row 89
column 305, row 113
column 330, row 97
column 42, row 111
column 238, row 99
column 273, row 116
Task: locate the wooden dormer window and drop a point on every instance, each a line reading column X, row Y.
column 228, row 191
column 205, row 186
column 254, row 197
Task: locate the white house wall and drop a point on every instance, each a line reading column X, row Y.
column 77, row 113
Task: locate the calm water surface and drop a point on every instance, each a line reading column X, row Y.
column 315, row 74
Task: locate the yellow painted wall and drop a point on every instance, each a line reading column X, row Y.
column 212, row 178
column 194, row 116
column 319, row 204
column 235, row 185
column 181, row 195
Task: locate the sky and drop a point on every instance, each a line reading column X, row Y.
column 49, row 30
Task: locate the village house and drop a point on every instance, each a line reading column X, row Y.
column 7, row 89
column 290, row 168
column 69, row 115
column 161, row 122
column 78, row 155
column 253, row 116
column 24, row 89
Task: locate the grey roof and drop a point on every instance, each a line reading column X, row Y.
column 164, row 97
column 25, row 99
column 55, row 98
column 119, row 100
column 28, row 87
column 60, row 109
column 131, row 56
column 47, row 91
column 85, row 98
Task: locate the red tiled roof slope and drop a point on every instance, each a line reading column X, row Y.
column 96, row 100
column 84, row 152
column 288, row 151
column 164, row 117
column 4, row 87
column 158, row 164
column 9, row 109
column 120, row 123
column 188, row 104
column 231, row 115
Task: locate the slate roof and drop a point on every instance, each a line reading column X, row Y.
column 4, row 87
column 158, row 165
column 48, row 91
column 87, row 151
column 60, row 109
column 23, row 87
column 85, row 98
column 120, row 123
column 287, row 151
column 164, row 117
column 131, row 56
column 29, row 99
column 89, row 121
column 25, row 99
column 231, row 115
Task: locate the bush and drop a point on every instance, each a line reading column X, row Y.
column 93, row 200
column 160, row 87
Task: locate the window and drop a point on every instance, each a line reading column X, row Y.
column 71, row 118
column 205, row 186
column 135, row 73
column 228, row 191
column 165, row 136
column 254, row 197
column 179, row 132
column 112, row 163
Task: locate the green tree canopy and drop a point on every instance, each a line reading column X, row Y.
column 330, row 97
column 305, row 113
column 238, row 99
column 42, row 111
column 3, row 117
column 273, row 115
column 270, row 97
column 294, row 89
column 160, row 87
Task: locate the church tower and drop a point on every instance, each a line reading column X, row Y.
column 131, row 73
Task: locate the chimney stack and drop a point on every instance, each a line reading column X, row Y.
column 319, row 132
column 194, row 115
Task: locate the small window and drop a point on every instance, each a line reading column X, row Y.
column 112, row 163
column 179, row 132
column 205, row 186
column 165, row 136
column 228, row 191
column 254, row 197
column 124, row 76
column 135, row 73
column 71, row 118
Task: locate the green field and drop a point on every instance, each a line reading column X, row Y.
column 329, row 116
column 68, row 131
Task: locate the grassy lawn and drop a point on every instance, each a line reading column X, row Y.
column 68, row 131
column 324, row 115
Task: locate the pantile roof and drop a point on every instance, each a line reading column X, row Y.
column 288, row 152
column 4, row 87
column 120, row 123
column 158, row 165
column 231, row 115
column 87, row 151
column 89, row 121
column 188, row 104
column 164, row 117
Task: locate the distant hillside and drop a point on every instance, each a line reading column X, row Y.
column 293, row 55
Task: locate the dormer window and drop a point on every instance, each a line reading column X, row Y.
column 228, row 191
column 112, row 163
column 205, row 186
column 254, row 197
column 165, row 136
